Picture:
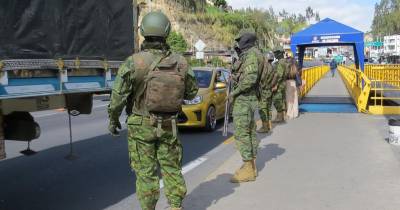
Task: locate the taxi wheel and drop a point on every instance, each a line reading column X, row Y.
column 211, row 119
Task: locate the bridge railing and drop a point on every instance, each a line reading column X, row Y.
column 388, row 73
column 311, row 76
column 358, row 85
column 375, row 91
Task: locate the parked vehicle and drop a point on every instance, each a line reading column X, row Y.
column 55, row 54
column 209, row 105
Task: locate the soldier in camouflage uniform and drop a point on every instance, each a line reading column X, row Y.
column 267, row 81
column 245, row 101
column 279, row 91
column 150, row 146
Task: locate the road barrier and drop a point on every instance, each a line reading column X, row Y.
column 311, row 76
column 376, row 91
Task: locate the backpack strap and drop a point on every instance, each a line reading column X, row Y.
column 156, row 61
column 152, row 67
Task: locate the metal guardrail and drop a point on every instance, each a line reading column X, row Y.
column 358, row 85
column 388, row 73
column 311, row 76
column 375, row 91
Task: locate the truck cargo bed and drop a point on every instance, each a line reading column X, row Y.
column 29, row 78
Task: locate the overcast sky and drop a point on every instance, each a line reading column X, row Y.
column 355, row 13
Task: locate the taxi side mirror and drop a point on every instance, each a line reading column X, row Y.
column 220, row 85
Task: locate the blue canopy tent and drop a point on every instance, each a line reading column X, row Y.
column 329, row 33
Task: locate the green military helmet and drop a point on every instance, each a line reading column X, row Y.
column 245, row 31
column 155, row 24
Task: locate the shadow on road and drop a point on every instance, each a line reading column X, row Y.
column 99, row 178
column 210, row 192
column 268, row 153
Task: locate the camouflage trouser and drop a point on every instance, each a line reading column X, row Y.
column 279, row 99
column 146, row 152
column 265, row 106
column 245, row 127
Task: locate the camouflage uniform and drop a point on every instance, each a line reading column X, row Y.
column 279, row 96
column 146, row 150
column 245, row 103
column 268, row 81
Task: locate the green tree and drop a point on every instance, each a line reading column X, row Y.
column 220, row 3
column 177, row 42
column 317, row 17
column 386, row 18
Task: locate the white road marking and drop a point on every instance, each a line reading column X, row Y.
column 188, row 167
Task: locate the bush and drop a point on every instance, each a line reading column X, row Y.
column 177, row 42
column 220, row 3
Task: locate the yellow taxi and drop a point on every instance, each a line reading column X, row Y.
column 209, row 104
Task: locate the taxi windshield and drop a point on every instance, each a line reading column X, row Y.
column 203, row 78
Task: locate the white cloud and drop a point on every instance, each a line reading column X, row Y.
column 357, row 14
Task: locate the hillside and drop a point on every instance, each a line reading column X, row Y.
column 218, row 27
column 187, row 24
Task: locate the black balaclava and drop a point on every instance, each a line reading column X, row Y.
column 247, row 41
column 157, row 43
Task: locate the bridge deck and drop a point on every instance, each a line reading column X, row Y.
column 328, row 95
column 328, row 87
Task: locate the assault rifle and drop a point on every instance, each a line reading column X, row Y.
column 227, row 108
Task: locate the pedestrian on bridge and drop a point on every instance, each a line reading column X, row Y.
column 245, row 102
column 333, row 67
column 293, row 83
column 157, row 81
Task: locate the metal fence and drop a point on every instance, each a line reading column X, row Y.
column 375, row 91
column 311, row 76
column 387, row 73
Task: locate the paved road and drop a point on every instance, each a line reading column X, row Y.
column 101, row 177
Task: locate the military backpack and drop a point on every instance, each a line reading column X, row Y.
column 165, row 86
column 268, row 77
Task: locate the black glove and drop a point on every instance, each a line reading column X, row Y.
column 114, row 127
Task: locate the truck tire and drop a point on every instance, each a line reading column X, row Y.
column 2, row 144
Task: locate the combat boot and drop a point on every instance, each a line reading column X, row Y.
column 280, row 117
column 270, row 125
column 264, row 128
column 245, row 173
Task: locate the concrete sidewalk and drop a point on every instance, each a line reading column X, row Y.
column 318, row 161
